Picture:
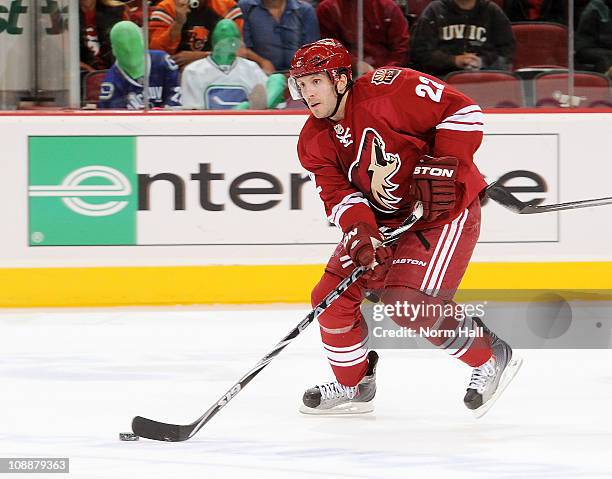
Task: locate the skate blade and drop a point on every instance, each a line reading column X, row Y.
column 341, row 410
column 507, row 377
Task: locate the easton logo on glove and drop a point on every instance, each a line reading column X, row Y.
column 434, row 185
column 428, row 170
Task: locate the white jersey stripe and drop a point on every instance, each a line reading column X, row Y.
column 346, row 348
column 460, row 127
column 347, row 357
column 455, row 122
column 346, row 202
column 336, row 219
column 433, row 259
column 469, row 118
column 463, row 219
column 465, row 349
column 450, row 341
column 459, row 346
column 350, row 363
column 473, row 117
column 437, row 274
column 440, row 260
column 467, row 109
column 455, row 344
column 343, row 330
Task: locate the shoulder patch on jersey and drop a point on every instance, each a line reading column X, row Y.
column 344, row 136
column 385, row 76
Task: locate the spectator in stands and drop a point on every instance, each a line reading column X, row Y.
column 275, row 29
column 96, row 18
column 385, row 30
column 462, row 35
column 536, row 10
column 135, row 11
column 182, row 28
column 594, row 37
column 123, row 85
column 224, row 81
column 579, row 6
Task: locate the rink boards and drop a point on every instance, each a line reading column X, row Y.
column 170, row 208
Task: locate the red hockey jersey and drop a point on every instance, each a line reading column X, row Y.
column 393, row 117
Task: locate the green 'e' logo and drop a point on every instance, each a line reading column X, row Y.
column 82, row 191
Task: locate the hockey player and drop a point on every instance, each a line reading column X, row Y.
column 373, row 147
column 123, row 85
column 225, row 81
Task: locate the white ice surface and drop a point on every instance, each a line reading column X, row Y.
column 71, row 380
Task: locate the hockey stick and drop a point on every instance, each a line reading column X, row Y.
column 160, row 431
column 502, row 195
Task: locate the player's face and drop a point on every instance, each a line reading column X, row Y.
column 319, row 92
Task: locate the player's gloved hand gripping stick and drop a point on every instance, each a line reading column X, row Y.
column 364, row 245
column 160, row 431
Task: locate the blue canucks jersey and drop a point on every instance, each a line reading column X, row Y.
column 119, row 90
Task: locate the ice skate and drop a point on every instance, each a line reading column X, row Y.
column 489, row 380
column 334, row 398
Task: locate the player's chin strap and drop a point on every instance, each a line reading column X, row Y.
column 340, row 96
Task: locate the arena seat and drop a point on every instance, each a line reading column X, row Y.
column 591, row 90
column 91, row 86
column 490, row 89
column 540, row 44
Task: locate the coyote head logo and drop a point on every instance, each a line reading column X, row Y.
column 382, row 166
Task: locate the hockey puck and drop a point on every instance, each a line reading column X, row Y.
column 128, row 436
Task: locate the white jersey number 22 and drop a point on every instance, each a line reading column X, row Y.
column 429, row 88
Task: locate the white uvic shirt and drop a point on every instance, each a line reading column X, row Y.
column 206, row 85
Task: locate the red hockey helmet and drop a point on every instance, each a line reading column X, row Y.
column 326, row 55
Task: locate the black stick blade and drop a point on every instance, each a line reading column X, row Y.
column 160, row 431
column 501, row 195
